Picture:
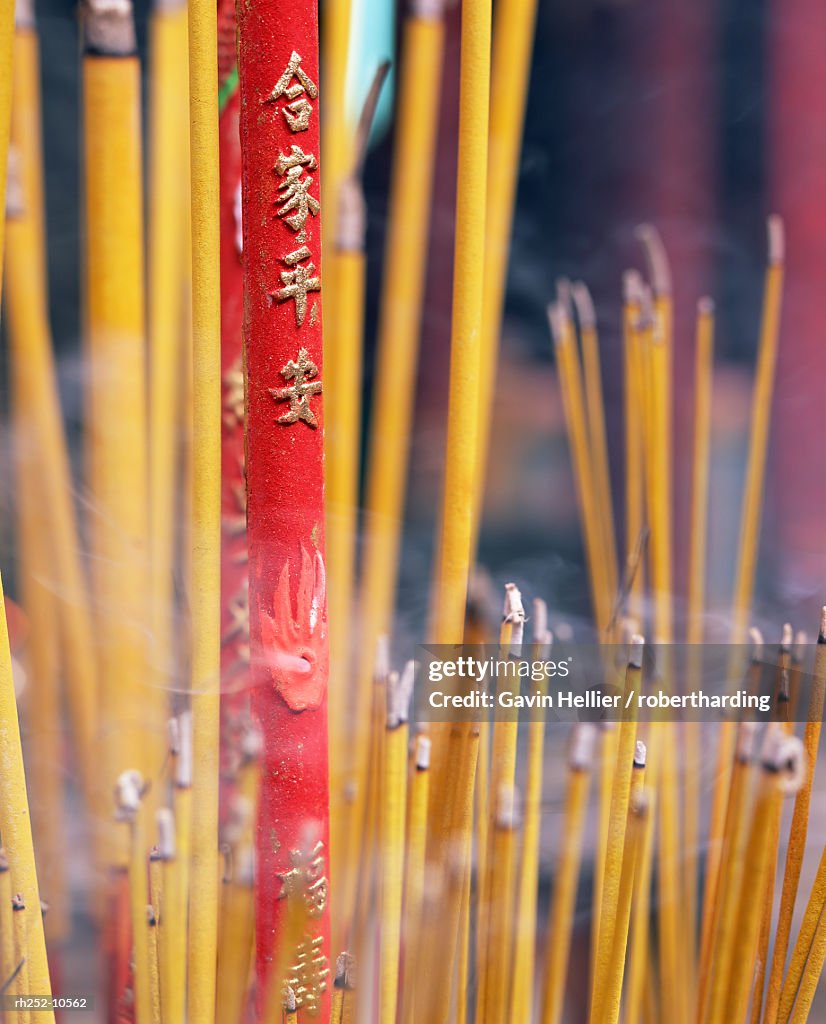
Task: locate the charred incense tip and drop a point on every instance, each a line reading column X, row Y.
column 640, row 754
column 399, row 692
column 557, row 319
column 801, row 640
column 289, row 1000
column 421, row 754
column 635, row 654
column 427, row 10
column 351, row 220
column 784, row 756
column 165, row 821
column 658, row 268
column 646, row 308
column 151, row 920
column 745, row 741
column 381, row 662
column 108, row 28
column 345, row 971
column 506, row 812
column 632, row 287
column 173, row 737
column 584, row 305
column 582, row 745
column 17, row 902
column 776, row 237
column 4, row 861
column 786, row 638
column 514, row 612
column 183, row 766
column 24, row 14
column 756, row 638
column 129, row 791
column 705, row 306
column 821, row 636
column 539, row 621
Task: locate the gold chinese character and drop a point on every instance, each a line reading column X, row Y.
column 298, row 112
column 297, row 195
column 298, row 282
column 308, row 975
column 296, row 158
column 234, row 395
column 306, row 879
column 301, row 373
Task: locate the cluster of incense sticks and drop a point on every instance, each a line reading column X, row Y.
column 268, row 836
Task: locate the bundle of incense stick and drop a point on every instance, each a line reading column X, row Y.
column 259, row 850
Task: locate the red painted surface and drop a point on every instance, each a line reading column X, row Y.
column 285, row 492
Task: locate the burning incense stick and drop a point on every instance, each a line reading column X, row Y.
column 278, row 64
column 206, row 507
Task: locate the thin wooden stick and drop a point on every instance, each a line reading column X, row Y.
column 513, row 35
column 635, row 838
column 132, row 711
column 394, row 791
column 595, row 415
column 620, row 794
column 573, row 404
column 563, row 904
column 521, row 1004
column 417, row 809
column 780, row 754
column 15, row 826
column 29, row 341
column 799, row 829
column 206, row 507
column 153, row 911
column 634, row 438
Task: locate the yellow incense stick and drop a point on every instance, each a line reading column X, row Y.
column 21, row 985
column 35, row 389
column 633, row 420
column 563, row 904
column 167, row 253
column 495, row 993
column 595, row 415
column 129, row 794
column 394, row 803
column 513, row 34
column 521, row 1005
column 635, row 838
column 27, row 328
column 417, row 807
column 751, row 512
column 152, row 924
column 206, row 507
column 131, row 711
column 570, row 383
column 6, row 923
column 400, row 315
column 799, row 828
column 811, row 975
column 620, row 795
column 461, row 462
column 178, row 883
column 15, row 826
column 779, row 751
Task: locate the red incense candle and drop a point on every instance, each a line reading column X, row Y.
column 279, row 118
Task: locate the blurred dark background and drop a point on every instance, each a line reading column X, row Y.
column 701, row 118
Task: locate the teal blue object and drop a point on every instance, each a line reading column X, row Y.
column 372, row 41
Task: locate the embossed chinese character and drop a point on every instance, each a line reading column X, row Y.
column 297, row 283
column 297, row 197
column 306, row 879
column 301, row 373
column 295, row 158
column 298, row 112
column 308, row 975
